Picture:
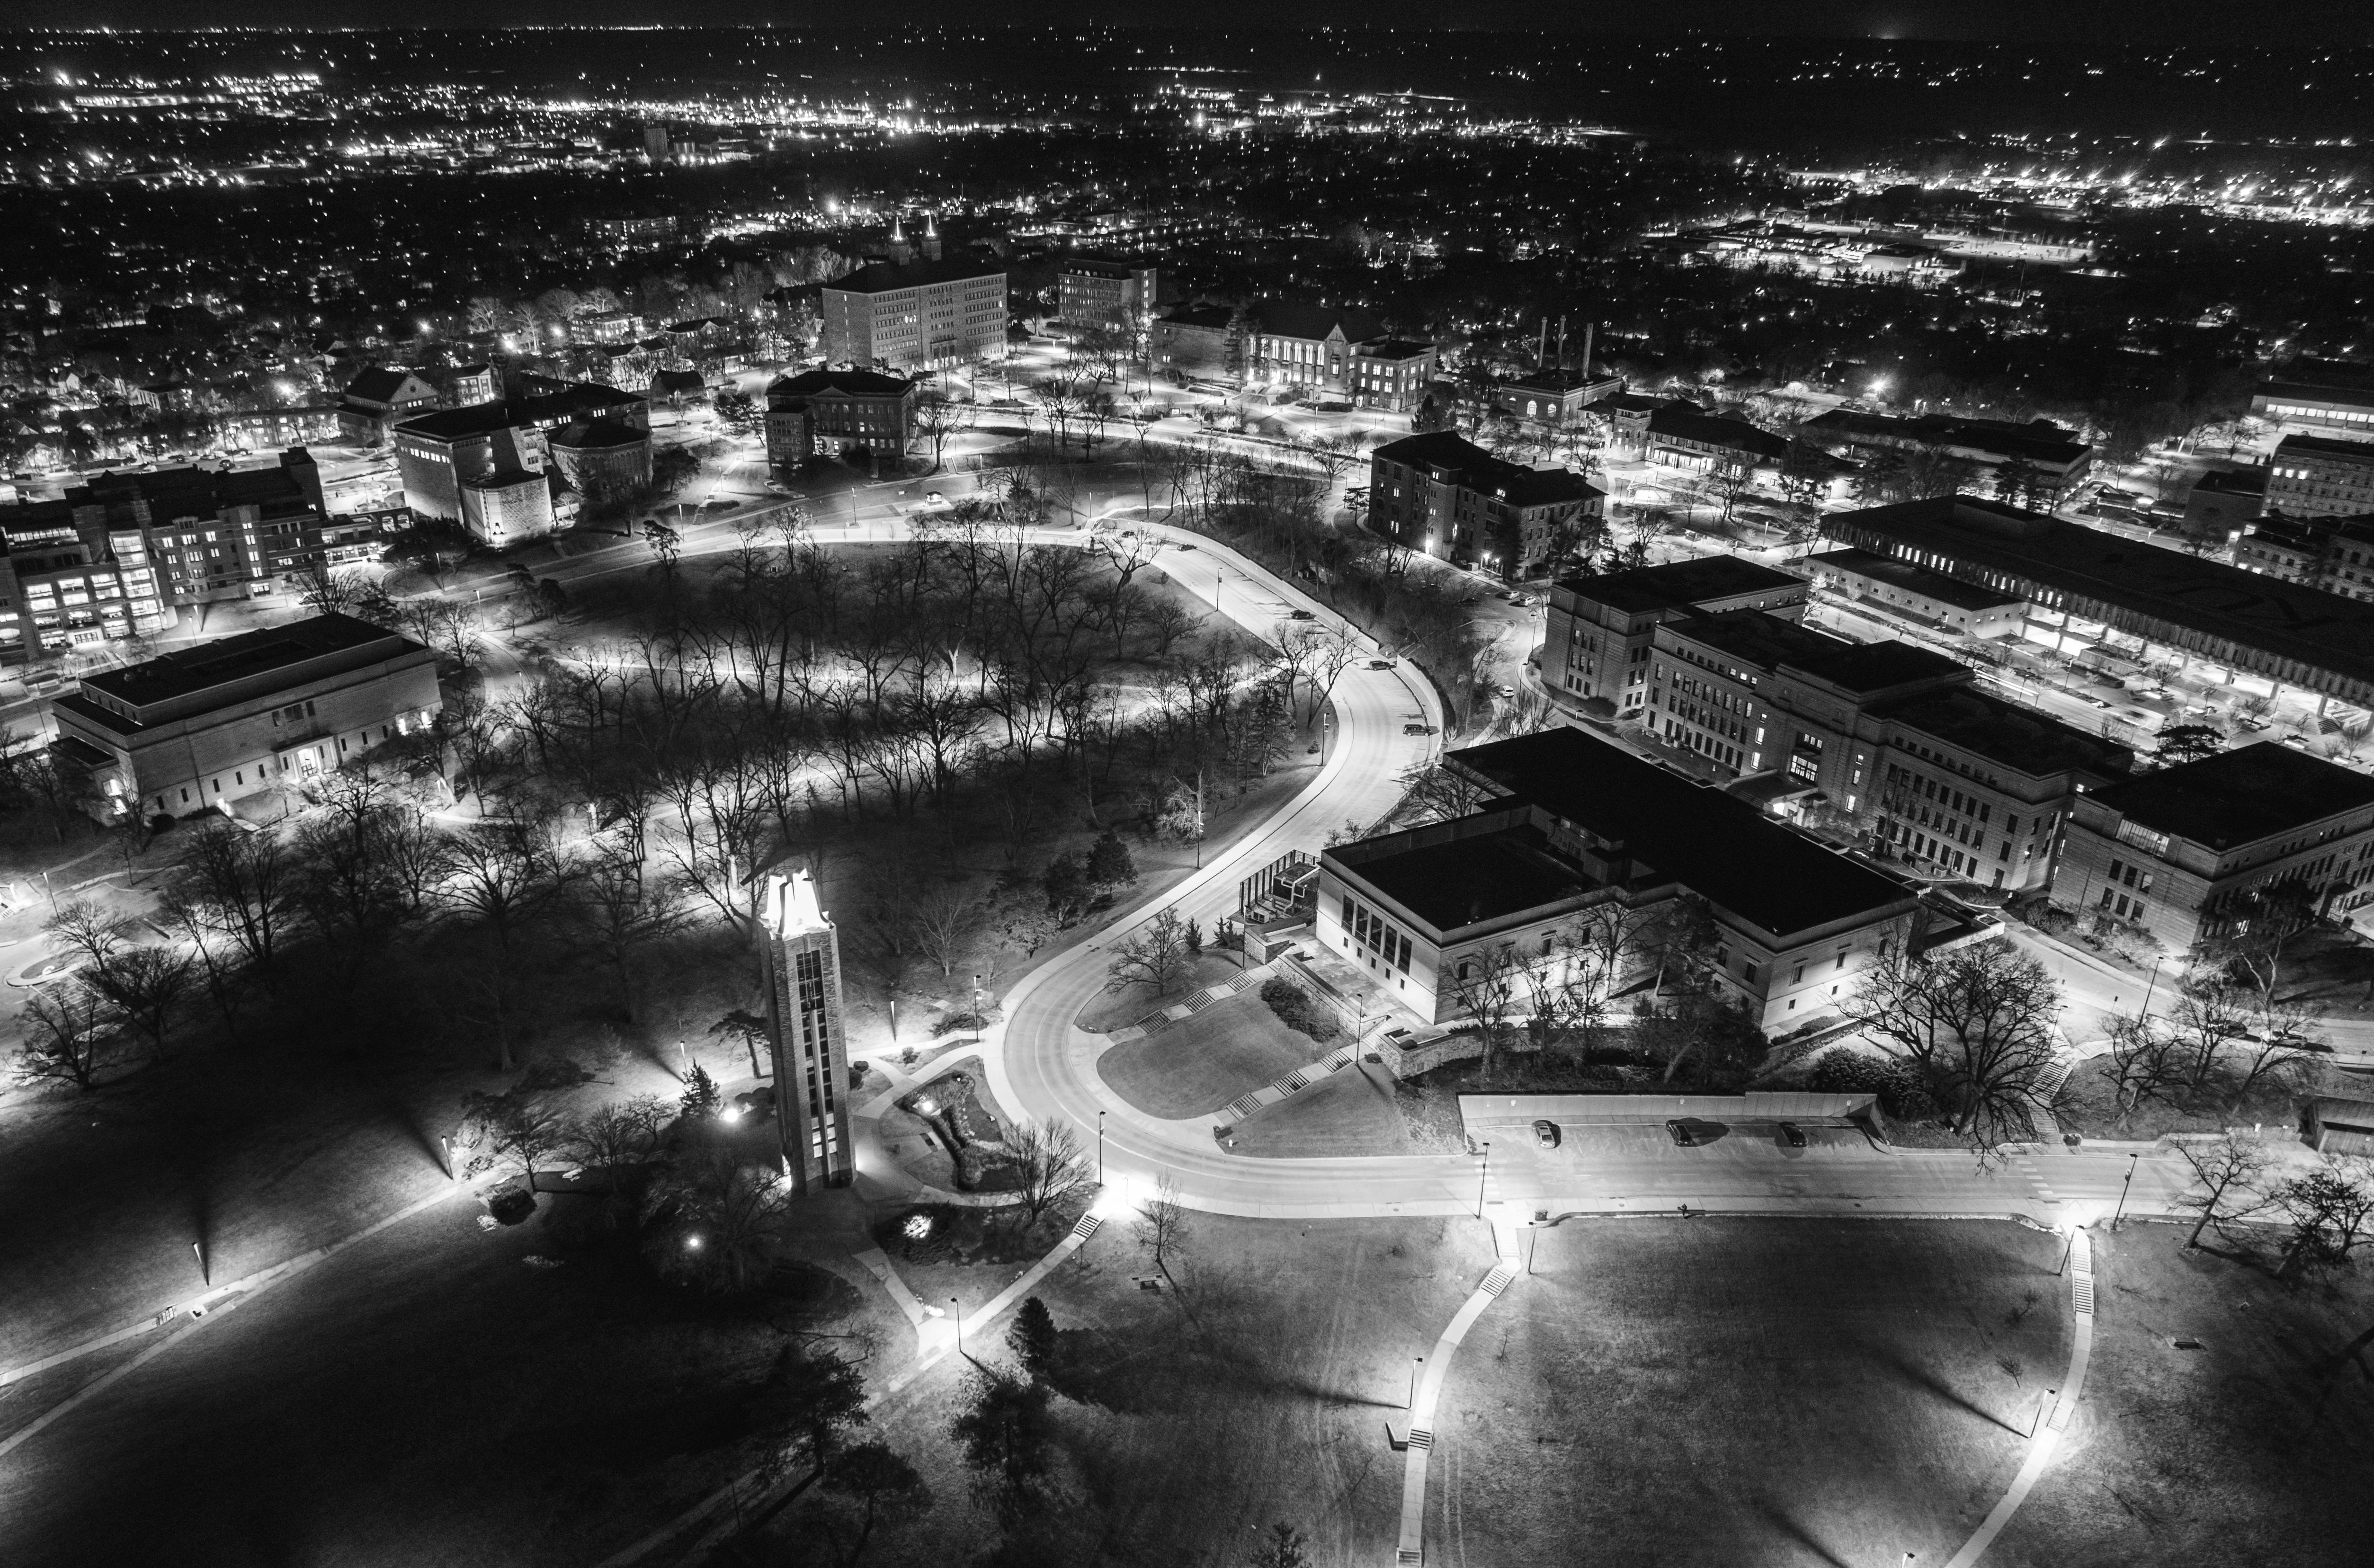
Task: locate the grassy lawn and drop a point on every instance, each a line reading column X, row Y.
column 1191, row 1419
column 1350, row 1112
column 1110, row 1009
column 550, row 1413
column 1201, row 1063
column 2254, row 1449
column 1785, row 1391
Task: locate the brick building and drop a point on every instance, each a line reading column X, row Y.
column 825, row 413
column 1122, row 292
column 1443, row 495
column 1200, row 343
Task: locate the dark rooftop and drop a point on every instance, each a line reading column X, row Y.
column 1755, row 639
column 2313, row 391
column 1914, row 579
column 1866, row 667
column 848, row 383
column 189, row 672
column 1207, row 318
column 2327, row 446
column 1718, row 846
column 1686, row 424
column 2003, row 732
column 2233, row 482
column 2237, row 797
column 594, row 434
column 2318, row 629
column 1292, row 318
column 1468, row 881
column 885, row 277
column 1678, row 584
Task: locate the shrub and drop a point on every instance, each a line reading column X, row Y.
column 1842, row 1071
column 1296, row 1010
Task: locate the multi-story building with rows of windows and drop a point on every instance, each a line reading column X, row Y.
column 919, row 315
column 827, row 413
column 1569, row 823
column 2335, row 553
column 1595, row 649
column 2319, row 476
column 1439, row 493
column 2193, row 853
column 1888, row 743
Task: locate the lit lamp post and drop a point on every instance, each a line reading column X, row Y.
column 1483, row 1176
column 1101, row 1148
column 2122, row 1190
column 1415, row 1363
column 956, row 1310
column 2150, row 985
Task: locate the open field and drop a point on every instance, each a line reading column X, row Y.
column 1201, row 1063
column 432, row 1397
column 2254, row 1449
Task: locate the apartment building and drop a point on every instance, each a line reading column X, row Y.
column 2320, row 476
column 1441, row 494
column 376, row 400
column 122, row 553
column 200, row 728
column 1679, row 436
column 2193, row 852
column 1122, row 292
column 2335, row 553
column 1595, row 647
column 1571, row 822
column 920, row 315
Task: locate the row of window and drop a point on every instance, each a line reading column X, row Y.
column 1379, row 937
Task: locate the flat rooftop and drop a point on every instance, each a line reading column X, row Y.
column 2003, row 732
column 2241, row 796
column 1718, row 846
column 1913, row 579
column 2318, row 629
column 176, row 686
column 1755, row 639
column 1472, row 880
column 1679, row 583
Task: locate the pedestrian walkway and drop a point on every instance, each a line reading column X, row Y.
column 1294, row 1083
column 1411, row 1550
column 2047, row 1436
column 1156, row 1022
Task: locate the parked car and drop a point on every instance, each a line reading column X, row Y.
column 1417, row 728
column 2090, row 700
column 1300, row 615
column 1681, row 1135
column 1381, row 664
column 1546, row 1135
column 1793, row 1135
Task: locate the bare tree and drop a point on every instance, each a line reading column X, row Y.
column 938, row 418
column 621, row 906
column 2230, row 1171
column 1977, row 1023
column 1156, row 953
column 2329, row 1210
column 1166, row 620
column 503, row 879
column 67, row 1039
column 144, row 988
column 1434, row 793
column 244, row 886
column 511, row 1129
column 2147, row 1061
column 1048, row 1165
column 1163, row 1223
column 946, row 923
column 1487, row 983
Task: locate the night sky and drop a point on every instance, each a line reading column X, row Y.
column 2080, row 23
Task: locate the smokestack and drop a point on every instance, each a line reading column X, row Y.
column 1542, row 352
column 1561, row 363
column 1588, row 328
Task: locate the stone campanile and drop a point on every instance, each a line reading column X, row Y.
column 800, row 956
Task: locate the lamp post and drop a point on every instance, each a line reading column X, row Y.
column 2158, row 959
column 1483, row 1176
column 1415, row 1363
column 1101, row 1148
column 955, row 1311
column 2122, row 1189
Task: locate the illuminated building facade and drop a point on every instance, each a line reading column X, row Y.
column 800, row 956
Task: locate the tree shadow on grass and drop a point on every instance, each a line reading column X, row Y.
column 1919, row 1378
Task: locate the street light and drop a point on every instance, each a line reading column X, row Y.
column 1483, row 1176
column 1101, row 1148
column 2122, row 1189
column 956, row 1310
column 2158, row 959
